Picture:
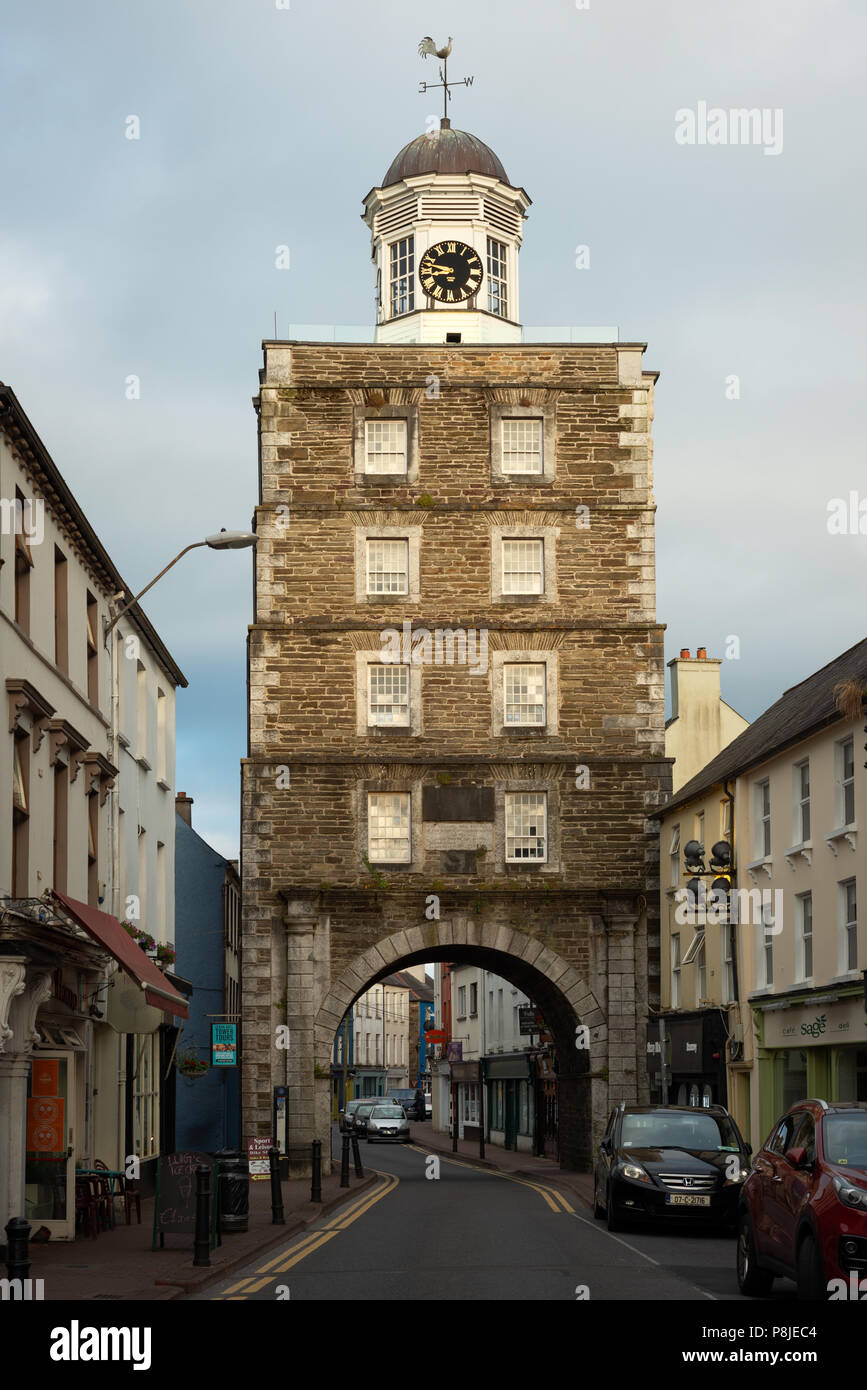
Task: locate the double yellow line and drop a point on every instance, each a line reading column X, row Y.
column 283, row 1262
column 548, row 1194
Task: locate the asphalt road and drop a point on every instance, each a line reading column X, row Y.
column 472, row 1234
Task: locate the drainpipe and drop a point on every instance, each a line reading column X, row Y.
column 732, row 939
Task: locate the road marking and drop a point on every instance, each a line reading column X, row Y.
column 548, row 1194
column 603, row 1231
column 280, row 1264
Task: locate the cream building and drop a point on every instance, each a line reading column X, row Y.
column 701, row 722
column 87, row 811
column 788, row 977
column 380, row 1018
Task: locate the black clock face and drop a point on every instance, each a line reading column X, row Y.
column 450, row 272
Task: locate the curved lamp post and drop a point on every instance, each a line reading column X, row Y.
column 222, row 540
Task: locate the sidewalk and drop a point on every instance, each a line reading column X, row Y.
column 120, row 1264
column 523, row 1165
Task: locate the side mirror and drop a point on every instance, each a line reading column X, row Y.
column 797, row 1157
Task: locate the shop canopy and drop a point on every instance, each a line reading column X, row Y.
column 108, row 932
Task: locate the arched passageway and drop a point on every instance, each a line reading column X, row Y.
column 563, row 999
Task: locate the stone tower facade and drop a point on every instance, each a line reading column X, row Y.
column 455, row 697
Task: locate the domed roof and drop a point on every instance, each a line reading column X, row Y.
column 444, row 152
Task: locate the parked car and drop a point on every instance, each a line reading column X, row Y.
column 361, row 1115
column 803, row 1210
column 347, row 1114
column 388, row 1122
column 408, row 1098
column 669, row 1162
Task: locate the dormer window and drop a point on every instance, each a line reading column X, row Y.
column 402, row 276
column 497, row 289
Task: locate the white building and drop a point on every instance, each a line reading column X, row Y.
column 87, row 812
column 497, row 1078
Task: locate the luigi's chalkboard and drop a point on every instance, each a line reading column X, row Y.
column 175, row 1198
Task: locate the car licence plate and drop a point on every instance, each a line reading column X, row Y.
column 677, row 1199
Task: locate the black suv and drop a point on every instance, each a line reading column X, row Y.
column 669, row 1162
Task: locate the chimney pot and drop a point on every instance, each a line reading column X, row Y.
column 701, row 653
column 684, row 651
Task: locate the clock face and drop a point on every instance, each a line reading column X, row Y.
column 450, row 272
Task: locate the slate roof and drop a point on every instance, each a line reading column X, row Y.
column 800, row 711
column 403, row 980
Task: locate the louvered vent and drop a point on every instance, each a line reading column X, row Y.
column 502, row 217
column 401, row 214
column 451, row 207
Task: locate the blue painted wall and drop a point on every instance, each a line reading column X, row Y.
column 206, row 1109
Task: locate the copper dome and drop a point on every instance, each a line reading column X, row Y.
column 444, row 152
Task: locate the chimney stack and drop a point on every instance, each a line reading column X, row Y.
column 183, row 806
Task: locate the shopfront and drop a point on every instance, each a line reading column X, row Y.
column 511, row 1102
column 692, row 1046
column 810, row 1045
column 466, row 1079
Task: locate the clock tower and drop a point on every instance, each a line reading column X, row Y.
column 446, row 227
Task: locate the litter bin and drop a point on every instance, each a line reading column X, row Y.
column 234, row 1184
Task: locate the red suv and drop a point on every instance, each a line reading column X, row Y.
column 802, row 1212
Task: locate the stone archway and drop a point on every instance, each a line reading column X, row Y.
column 564, row 998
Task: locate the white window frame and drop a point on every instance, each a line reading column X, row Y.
column 762, row 839
column 395, row 294
column 411, row 536
column 674, row 857
column 802, row 819
column 842, row 783
column 848, row 927
column 676, row 980
column 728, row 964
column 462, row 1001
column 397, row 458
column 765, row 949
column 398, row 546
column 701, row 973
column 512, row 804
column 539, row 409
column 512, row 541
column 525, row 657
column 497, row 266
column 512, row 425
column 511, row 670
column 803, row 937
column 401, row 701
column 382, row 858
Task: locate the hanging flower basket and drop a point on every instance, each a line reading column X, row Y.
column 188, row 1064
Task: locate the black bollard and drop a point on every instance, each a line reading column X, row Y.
column 277, row 1217
column 17, row 1251
column 316, row 1188
column 344, row 1162
column 202, row 1239
column 356, row 1154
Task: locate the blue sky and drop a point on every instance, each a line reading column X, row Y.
column 263, row 126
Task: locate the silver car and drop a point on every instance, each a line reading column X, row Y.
column 388, row 1122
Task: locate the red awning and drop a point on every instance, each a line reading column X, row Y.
column 108, row 931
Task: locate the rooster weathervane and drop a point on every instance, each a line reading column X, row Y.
column 427, row 46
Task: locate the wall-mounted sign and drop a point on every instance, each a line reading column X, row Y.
column 257, row 1158
column 455, row 1051
column 435, row 1035
column 818, row 1026
column 224, row 1045
column 529, row 1020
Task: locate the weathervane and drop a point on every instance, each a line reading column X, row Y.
column 427, row 46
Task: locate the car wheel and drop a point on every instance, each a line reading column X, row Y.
column 812, row 1285
column 753, row 1281
column 612, row 1220
column 598, row 1209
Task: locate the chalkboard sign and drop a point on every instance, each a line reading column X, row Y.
column 175, row 1199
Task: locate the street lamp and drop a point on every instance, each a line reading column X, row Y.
column 221, row 540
